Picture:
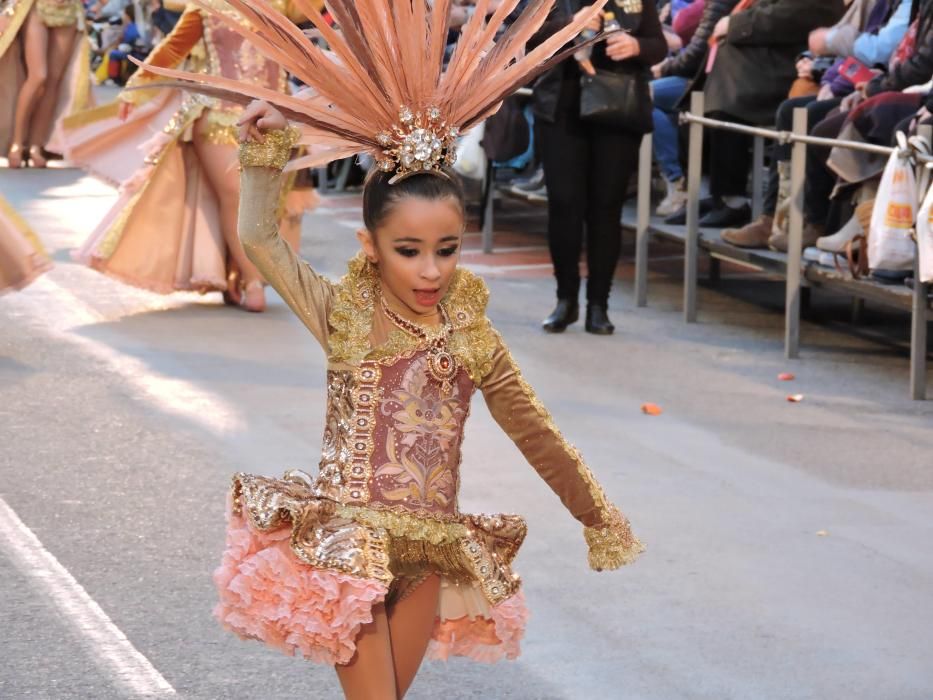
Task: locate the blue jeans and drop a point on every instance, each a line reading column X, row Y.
column 667, row 93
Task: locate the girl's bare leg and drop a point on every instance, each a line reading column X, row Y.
column 61, row 41
column 411, row 622
column 222, row 169
column 35, row 45
column 370, row 675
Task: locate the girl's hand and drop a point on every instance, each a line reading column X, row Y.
column 622, row 46
column 259, row 115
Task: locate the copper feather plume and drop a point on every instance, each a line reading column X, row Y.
column 388, row 55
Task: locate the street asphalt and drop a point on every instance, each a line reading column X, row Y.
column 789, row 544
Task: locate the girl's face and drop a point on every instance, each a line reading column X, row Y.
column 417, row 247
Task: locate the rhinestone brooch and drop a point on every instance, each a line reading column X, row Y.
column 419, row 141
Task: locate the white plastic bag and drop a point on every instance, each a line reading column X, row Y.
column 925, row 237
column 471, row 158
column 890, row 245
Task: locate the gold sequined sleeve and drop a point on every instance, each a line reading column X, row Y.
column 169, row 52
column 527, row 422
column 308, row 294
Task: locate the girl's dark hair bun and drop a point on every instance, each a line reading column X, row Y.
column 379, row 196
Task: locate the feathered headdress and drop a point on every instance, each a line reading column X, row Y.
column 382, row 88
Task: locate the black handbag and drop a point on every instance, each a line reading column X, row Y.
column 620, row 100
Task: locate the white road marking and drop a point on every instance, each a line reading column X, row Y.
column 112, row 649
column 61, row 312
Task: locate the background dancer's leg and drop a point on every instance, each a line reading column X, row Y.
column 35, row 54
column 61, row 41
column 222, row 169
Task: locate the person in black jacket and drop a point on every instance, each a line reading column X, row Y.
column 753, row 70
column 673, row 75
column 587, row 166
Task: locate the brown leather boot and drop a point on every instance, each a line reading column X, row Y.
column 753, row 235
column 811, row 232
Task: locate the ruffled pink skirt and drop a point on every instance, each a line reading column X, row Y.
column 267, row 594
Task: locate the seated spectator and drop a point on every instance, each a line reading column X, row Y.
column 686, row 22
column 886, row 25
column 752, row 71
column 110, row 8
column 115, row 66
column 672, row 78
column 882, row 103
column 165, row 16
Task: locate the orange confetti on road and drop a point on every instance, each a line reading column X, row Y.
column 651, row 409
column 795, row 398
column 786, row 377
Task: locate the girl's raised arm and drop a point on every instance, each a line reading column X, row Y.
column 307, row 293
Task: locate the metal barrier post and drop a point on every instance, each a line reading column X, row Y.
column 920, row 304
column 641, row 226
column 691, row 247
column 488, row 204
column 795, row 239
column 758, row 164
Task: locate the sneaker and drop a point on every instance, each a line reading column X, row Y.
column 753, row 235
column 522, row 186
column 538, row 195
column 811, row 232
column 675, row 199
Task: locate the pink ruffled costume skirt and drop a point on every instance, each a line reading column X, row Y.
column 302, row 574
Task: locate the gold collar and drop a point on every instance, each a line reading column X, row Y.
column 351, row 320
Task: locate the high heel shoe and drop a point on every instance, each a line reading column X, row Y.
column 254, row 297
column 36, row 158
column 14, row 157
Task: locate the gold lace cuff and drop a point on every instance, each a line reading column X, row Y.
column 612, row 545
column 273, row 152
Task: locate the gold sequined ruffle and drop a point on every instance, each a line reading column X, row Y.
column 378, row 544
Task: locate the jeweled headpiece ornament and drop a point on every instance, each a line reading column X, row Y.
column 382, row 87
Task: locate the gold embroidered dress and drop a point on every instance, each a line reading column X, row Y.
column 308, row 557
column 22, row 257
column 163, row 233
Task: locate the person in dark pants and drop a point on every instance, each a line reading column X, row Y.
column 587, row 167
column 751, row 75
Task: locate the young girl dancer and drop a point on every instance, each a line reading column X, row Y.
column 22, row 257
column 174, row 225
column 371, row 565
column 44, row 73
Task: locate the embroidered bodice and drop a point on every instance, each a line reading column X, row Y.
column 392, row 438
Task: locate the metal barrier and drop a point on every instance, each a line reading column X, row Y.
column 798, row 276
